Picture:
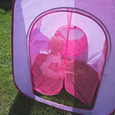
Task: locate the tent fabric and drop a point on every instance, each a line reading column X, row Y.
column 95, row 20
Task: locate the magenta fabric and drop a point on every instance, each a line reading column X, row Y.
column 45, row 84
column 76, row 41
column 80, row 85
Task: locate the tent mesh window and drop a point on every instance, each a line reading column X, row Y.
column 66, row 61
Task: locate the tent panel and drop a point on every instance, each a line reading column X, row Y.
column 24, row 15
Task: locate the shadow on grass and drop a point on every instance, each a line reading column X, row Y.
column 6, row 5
column 21, row 106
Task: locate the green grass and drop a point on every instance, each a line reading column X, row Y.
column 7, row 87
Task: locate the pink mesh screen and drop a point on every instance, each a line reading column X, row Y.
column 61, row 61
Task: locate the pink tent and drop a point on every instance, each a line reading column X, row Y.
column 65, row 45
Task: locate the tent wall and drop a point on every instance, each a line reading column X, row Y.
column 24, row 12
